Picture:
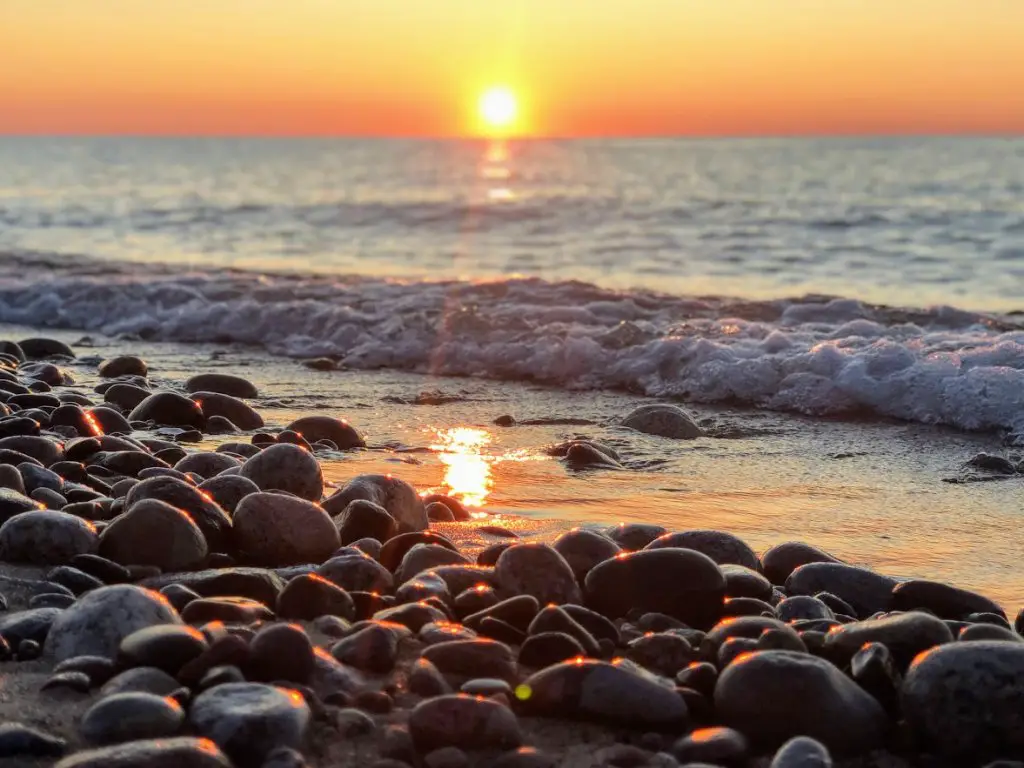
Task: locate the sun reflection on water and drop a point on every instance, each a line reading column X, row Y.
column 467, row 470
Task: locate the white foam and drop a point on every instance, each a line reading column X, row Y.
column 837, row 357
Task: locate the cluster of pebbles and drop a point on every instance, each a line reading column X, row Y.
column 210, row 609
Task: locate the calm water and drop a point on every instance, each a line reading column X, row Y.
column 907, row 222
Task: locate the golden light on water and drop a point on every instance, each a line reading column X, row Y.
column 467, row 470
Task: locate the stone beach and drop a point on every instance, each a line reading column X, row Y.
column 167, row 606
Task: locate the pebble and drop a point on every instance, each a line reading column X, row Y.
column 338, row 431
column 230, row 610
column 904, row 634
column 152, row 532
column 712, row 745
column 424, row 557
column 356, row 571
column 965, row 702
column 228, row 490
column 123, row 365
column 207, row 464
column 362, row 519
column 351, row 723
column 439, row 513
column 372, row 648
column 10, row 478
column 286, row 467
column 281, row 652
column 470, row 659
column 98, row 668
column 237, row 413
column 13, row 503
column 634, row 536
column 802, row 752
column 538, row 570
column 502, row 632
column 581, row 454
column 555, row 619
column 45, row 538
column 583, row 548
column 277, row 530
column 72, row 681
column 663, row 653
column 131, row 716
column 682, row 583
column 524, row 757
column 249, row 720
column 51, row 600
column 257, row 584
column 874, row 669
column 141, row 679
column 780, row 561
column 168, row 409
column 700, row 676
column 423, row 587
column 74, row 579
column 754, row 695
column 285, row 757
column 596, row 690
column 466, row 722
column 720, row 546
column 32, row 624
column 309, row 596
column 399, row 498
column 151, row 753
column 426, row 680
column 803, row 607
column 486, row 686
column 663, row 420
column 207, row 515
column 223, row 383
column 446, row 757
column 475, row 599
column 867, row 592
column 944, row 601
column 415, row 616
column 168, row 647
column 20, row 740
column 743, row 582
column 596, row 624
column 974, row 632
column 97, row 623
column 517, row 611
column 394, row 550
column 489, row 555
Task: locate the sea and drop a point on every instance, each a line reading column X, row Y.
column 845, row 318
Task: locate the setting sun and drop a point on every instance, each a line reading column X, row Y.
column 498, row 108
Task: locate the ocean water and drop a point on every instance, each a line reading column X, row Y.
column 845, row 316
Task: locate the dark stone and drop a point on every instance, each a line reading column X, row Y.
column 124, row 365
column 663, row 420
column 396, row 547
column 167, row 647
column 230, row 610
column 51, row 600
column 281, row 652
column 632, row 537
column 721, row 547
column 357, row 572
column 78, row 682
column 141, row 679
column 285, row 467
column 131, row 716
column 721, row 746
column 277, row 530
column 223, row 383
column 904, row 634
column 45, row 537
column 547, row 648
column 98, row 669
column 553, row 618
column 151, row 753
column 412, row 615
column 866, row 591
column 467, row 722
column 538, row 570
column 583, row 548
column 679, row 582
column 458, row 510
column 700, row 676
column 152, row 532
column 207, row 464
column 373, row 648
column 308, row 596
column 780, row 561
column 802, row 752
column 338, row 431
column 211, row 519
column 489, row 555
column 663, row 653
column 228, row 407
column 518, row 611
column 873, row 669
column 741, row 581
column 34, row 624
column 473, row 658
column 18, row 740
column 596, row 624
column 944, row 601
column 426, row 680
column 396, row 496
column 502, row 631
column 803, row 607
column 365, row 519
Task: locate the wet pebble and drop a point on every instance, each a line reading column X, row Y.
column 802, row 752
column 230, row 610
column 399, row 498
column 141, row 679
column 131, row 716
column 151, row 753
column 583, row 548
column 537, row 570
column 152, row 532
column 470, row 659
column 356, row 571
column 168, row 409
column 281, row 652
column 228, row 490
column 224, row 383
column 283, row 530
column 904, row 634
column 867, row 592
column 45, row 538
column 372, row 648
column 308, row 596
column 463, row 721
column 663, row 420
column 68, row 680
column 362, row 519
column 168, row 647
column 779, row 561
column 719, row 745
column 285, row 467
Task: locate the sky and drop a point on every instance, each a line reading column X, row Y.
column 576, row 67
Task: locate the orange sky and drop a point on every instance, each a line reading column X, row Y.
column 579, row 67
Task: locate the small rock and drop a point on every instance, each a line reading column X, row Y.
column 152, row 532
column 168, row 647
column 281, row 652
column 462, row 721
column 238, row 413
column 944, row 601
column 278, row 530
column 372, row 648
column 802, row 752
column 151, row 753
column 663, row 420
column 538, row 570
column 286, row 467
column 309, row 596
column 396, row 496
column 362, row 519
column 168, row 409
column 230, row 610
column 904, row 634
column 473, row 658
column 712, row 745
column 583, row 548
column 426, row 680
column 780, row 561
column 223, row 383
column 124, row 365
column 45, row 538
column 141, row 680
column 338, row 431
column 356, row 571
column 228, row 490
column 20, row 740
column 720, row 546
column 131, row 716
column 866, row 591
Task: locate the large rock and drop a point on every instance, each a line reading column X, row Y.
column 222, row 383
column 679, row 582
column 466, row 722
column 965, row 701
column 663, row 420
column 867, row 592
column 153, row 532
column 241, row 414
column 286, row 467
column 538, row 570
column 168, row 409
column 396, row 496
column 46, row 538
column 151, row 753
column 722, row 547
column 610, row 693
column 250, row 720
column 781, row 560
column 755, row 695
column 97, row 623
column 338, row 431
column 274, row 529
column 904, row 634
column 943, row 600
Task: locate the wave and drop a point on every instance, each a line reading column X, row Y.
column 821, row 356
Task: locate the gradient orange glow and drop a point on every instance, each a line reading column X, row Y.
column 577, row 67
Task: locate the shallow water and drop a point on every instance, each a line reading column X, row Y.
column 870, row 493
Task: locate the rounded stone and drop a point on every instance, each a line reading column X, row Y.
column 309, row 596
column 867, row 592
column 151, row 753
column 97, row 623
column 965, row 702
column 239, row 413
column 711, row 745
column 355, row 571
column 278, row 530
column 396, row 496
column 167, row 647
column 904, row 634
column 538, row 570
column 373, row 648
column 141, row 679
column 803, row 607
column 286, row 467
column 681, row 583
column 338, row 431
column 223, row 383
column 944, row 601
column 364, row 519
column 721, row 547
column 153, row 532
column 583, row 548
column 123, row 365
column 18, row 740
column 13, row 503
column 596, row 690
column 663, row 420
column 754, row 695
column 230, row 610
column 469, row 659
column 249, row 720
column 634, row 536
column 802, row 752
column 131, row 716
column 207, row 464
column 46, row 537
column 227, row 491
column 281, row 652
column 467, row 722
column 423, row 557
column 780, row 561
column 168, row 409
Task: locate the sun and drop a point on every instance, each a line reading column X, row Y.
column 498, row 108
